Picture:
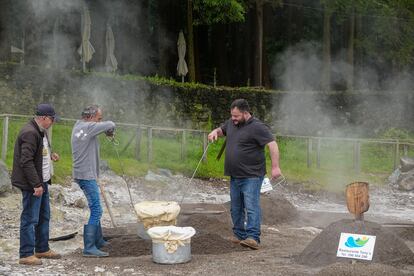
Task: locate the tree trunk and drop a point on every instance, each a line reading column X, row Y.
column 196, row 55
column 350, row 53
column 267, row 16
column 326, row 64
column 98, row 31
column 161, row 38
column 249, row 49
column 238, row 34
column 291, row 19
column 5, row 37
column 359, row 55
column 258, row 68
column 191, row 64
column 220, row 54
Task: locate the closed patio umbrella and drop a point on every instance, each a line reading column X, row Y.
column 182, row 68
column 86, row 49
column 111, row 63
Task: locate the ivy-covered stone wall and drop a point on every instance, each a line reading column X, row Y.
column 144, row 102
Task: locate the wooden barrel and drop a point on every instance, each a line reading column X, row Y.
column 357, row 198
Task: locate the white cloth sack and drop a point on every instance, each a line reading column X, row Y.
column 171, row 236
column 157, row 213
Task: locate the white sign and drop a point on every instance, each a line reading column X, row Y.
column 356, row 246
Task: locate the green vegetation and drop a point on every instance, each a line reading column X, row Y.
column 335, row 171
column 171, row 82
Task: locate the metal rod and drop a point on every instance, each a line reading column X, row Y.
column 183, row 145
column 5, row 137
column 309, row 153
column 123, row 174
column 149, row 145
column 357, row 157
column 318, row 153
column 205, row 143
column 192, row 177
column 396, row 155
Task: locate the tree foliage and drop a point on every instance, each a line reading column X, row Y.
column 387, row 28
column 207, row 12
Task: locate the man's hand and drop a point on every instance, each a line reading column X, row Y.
column 276, row 172
column 214, row 135
column 55, row 157
column 38, row 191
column 110, row 132
column 274, row 155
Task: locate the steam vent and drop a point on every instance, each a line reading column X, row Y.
column 389, row 249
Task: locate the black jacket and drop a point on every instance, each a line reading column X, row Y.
column 28, row 160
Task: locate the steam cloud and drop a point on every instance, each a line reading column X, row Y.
column 57, row 37
column 302, row 111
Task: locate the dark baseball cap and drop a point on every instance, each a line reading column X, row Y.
column 45, row 109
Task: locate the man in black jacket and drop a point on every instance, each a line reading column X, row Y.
column 32, row 170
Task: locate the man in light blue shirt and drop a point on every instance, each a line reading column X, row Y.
column 85, row 154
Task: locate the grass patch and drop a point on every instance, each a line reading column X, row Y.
column 336, row 158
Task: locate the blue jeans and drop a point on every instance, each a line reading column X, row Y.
column 34, row 223
column 245, row 199
column 91, row 190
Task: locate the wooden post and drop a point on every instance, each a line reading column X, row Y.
column 50, row 134
column 357, row 157
column 309, row 155
column 318, row 153
column 149, row 148
column 5, row 136
column 205, row 143
column 396, row 154
column 138, row 144
column 183, row 145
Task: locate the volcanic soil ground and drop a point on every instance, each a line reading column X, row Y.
column 287, row 231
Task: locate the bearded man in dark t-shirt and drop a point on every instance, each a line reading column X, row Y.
column 245, row 163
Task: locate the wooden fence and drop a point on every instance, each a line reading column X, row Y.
column 313, row 143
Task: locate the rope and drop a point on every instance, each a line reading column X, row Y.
column 192, row 177
column 115, row 144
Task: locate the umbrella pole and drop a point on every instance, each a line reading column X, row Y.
column 83, row 65
column 182, row 78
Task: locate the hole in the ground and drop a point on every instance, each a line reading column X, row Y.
column 204, row 244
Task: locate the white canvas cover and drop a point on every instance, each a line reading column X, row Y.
column 157, row 213
column 111, row 63
column 182, row 68
column 86, row 49
column 171, row 236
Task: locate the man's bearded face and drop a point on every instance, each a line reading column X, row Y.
column 238, row 117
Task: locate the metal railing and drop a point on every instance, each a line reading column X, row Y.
column 314, row 152
column 138, row 135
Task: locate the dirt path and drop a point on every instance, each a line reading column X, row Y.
column 285, row 234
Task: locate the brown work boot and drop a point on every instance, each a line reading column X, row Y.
column 48, row 255
column 31, row 260
column 235, row 240
column 250, row 243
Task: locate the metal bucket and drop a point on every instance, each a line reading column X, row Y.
column 142, row 232
column 161, row 256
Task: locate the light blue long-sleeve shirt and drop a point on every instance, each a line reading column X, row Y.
column 85, row 148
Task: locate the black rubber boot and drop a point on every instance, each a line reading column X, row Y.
column 100, row 242
column 89, row 239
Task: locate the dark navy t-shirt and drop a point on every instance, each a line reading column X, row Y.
column 245, row 155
